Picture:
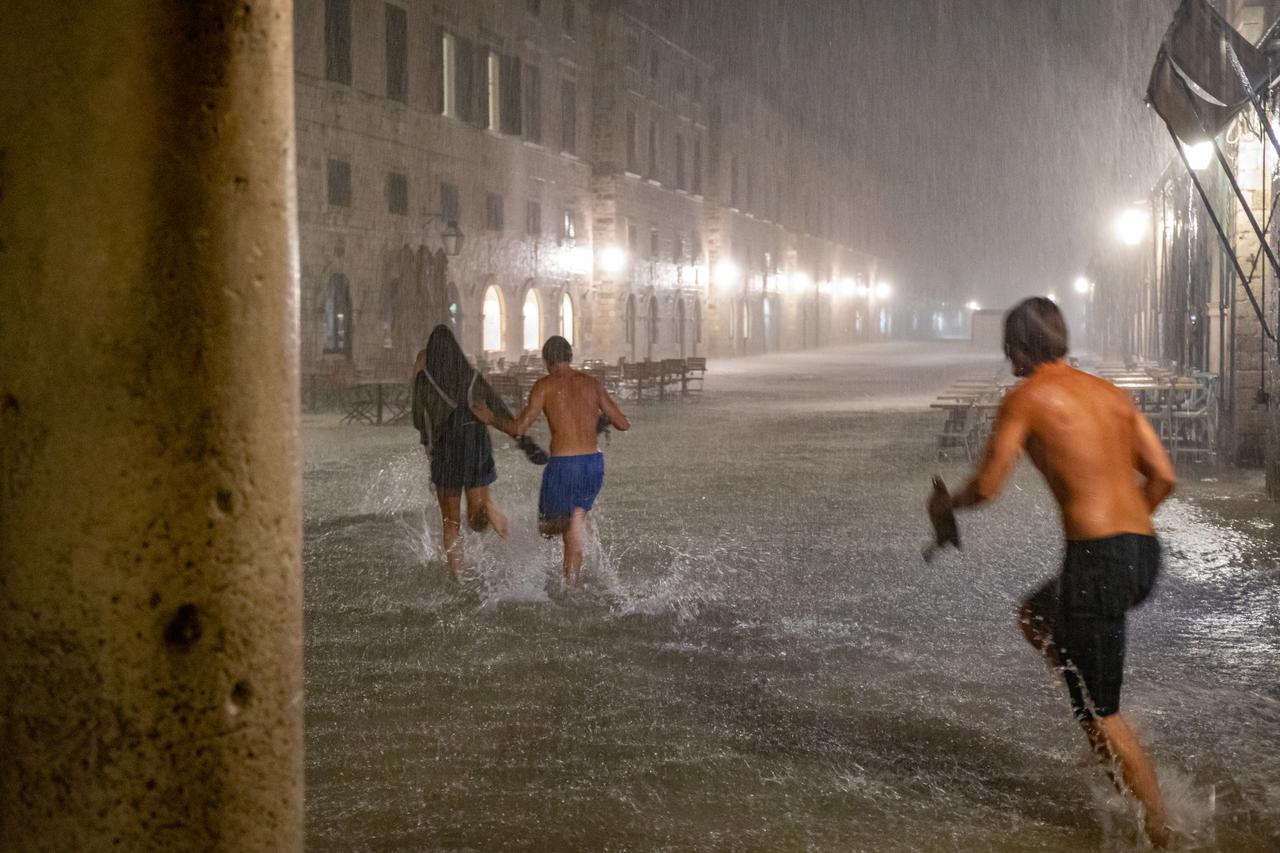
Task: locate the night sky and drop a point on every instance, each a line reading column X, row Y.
column 999, row 137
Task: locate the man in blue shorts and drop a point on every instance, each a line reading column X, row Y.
column 573, row 402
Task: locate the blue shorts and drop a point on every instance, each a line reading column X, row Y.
column 569, row 483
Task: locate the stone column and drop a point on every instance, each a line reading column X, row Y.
column 150, row 570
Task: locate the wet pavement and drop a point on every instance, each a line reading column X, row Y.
column 761, row 660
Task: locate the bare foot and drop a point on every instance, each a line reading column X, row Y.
column 497, row 520
column 1163, row 836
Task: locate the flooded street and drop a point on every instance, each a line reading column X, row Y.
column 760, row 659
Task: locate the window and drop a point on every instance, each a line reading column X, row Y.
column 633, row 237
column 339, row 183
column 633, row 143
column 631, row 320
column 532, row 316
column 681, row 177
column 493, row 212
column 568, row 117
column 653, row 320
column 677, row 248
column 337, row 41
column 568, row 227
column 337, row 316
column 449, row 76
column 695, row 248
column 450, row 204
column 533, row 7
column 653, row 64
column 697, row 166
column 493, row 76
column 567, row 16
column 655, row 250
column 492, row 320
column 653, row 149
column 533, row 103
column 511, row 112
column 566, row 318
column 533, row 219
column 397, row 54
column 397, row 194
column 471, row 95
column 697, row 322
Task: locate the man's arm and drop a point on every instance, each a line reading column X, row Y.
column 1152, row 462
column 532, row 409
column 610, row 408
column 998, row 459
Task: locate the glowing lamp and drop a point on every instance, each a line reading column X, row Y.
column 613, row 260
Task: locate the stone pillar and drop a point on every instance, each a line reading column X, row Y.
column 150, row 569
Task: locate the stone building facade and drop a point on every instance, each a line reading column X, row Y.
column 609, row 185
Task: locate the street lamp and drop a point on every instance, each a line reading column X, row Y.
column 884, row 290
column 972, row 305
column 727, row 273
column 613, row 260
column 453, row 239
column 1082, row 285
column 1199, row 154
column 1131, row 225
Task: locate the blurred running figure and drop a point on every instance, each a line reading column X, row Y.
column 457, row 444
column 1090, row 442
column 573, row 402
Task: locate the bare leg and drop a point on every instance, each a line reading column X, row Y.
column 483, row 513
column 1116, row 744
column 1038, row 630
column 574, row 535
column 451, row 529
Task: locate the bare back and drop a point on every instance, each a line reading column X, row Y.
column 573, row 402
column 1091, row 444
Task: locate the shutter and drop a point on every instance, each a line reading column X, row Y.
column 512, row 116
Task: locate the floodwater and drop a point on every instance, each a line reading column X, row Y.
column 761, row 660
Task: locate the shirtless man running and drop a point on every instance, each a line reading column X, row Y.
column 573, row 402
column 1090, row 442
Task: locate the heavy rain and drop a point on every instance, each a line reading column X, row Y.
column 640, row 425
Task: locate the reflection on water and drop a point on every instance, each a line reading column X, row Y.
column 760, row 660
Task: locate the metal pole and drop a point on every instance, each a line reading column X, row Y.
column 1217, row 225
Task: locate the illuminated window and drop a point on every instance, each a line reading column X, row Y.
column 532, row 321
column 493, row 320
column 566, row 318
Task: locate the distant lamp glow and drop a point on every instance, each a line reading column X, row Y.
column 1199, row 155
column 1131, row 226
column 1082, row 285
column 848, row 288
column 884, row 290
column 800, row 281
column 973, row 306
column 613, row 260
column 727, row 274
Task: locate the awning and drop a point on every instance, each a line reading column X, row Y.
column 1202, row 52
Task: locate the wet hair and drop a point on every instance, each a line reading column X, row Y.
column 557, row 351
column 1035, row 328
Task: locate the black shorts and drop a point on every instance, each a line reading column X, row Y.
column 462, row 458
column 1085, row 607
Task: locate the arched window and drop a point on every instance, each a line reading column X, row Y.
column 493, row 320
column 653, row 319
column 532, row 320
column 631, row 320
column 697, row 321
column 768, row 323
column 566, row 317
column 746, row 319
column 337, row 315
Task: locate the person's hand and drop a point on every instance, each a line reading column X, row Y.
column 482, row 412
